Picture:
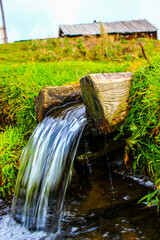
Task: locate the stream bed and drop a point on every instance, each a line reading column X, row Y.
column 99, row 204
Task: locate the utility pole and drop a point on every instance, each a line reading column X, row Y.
column 3, row 28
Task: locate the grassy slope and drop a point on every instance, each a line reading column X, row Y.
column 143, row 124
column 26, row 67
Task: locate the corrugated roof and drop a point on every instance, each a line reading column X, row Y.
column 110, row 27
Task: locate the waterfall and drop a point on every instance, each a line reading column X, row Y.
column 45, row 169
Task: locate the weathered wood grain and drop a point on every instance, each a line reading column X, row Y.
column 106, row 98
column 54, row 97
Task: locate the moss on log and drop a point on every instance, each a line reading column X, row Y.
column 106, row 98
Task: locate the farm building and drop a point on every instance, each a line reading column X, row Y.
column 125, row 29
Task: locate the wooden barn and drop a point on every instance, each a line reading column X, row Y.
column 123, row 29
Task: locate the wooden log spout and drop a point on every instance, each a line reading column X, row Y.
column 50, row 99
column 106, row 98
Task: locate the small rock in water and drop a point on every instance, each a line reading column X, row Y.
column 126, row 197
column 74, row 229
column 105, row 234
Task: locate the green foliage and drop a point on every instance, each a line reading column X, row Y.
column 11, row 144
column 81, row 47
column 151, row 199
column 143, row 124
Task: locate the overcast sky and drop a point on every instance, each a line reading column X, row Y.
column 30, row 19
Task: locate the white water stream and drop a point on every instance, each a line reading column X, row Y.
column 45, row 169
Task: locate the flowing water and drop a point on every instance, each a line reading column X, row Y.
column 99, row 204
column 92, row 210
column 46, row 168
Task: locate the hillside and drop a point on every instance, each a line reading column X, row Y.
column 28, row 66
column 77, row 49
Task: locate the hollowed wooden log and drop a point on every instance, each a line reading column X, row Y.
column 51, row 99
column 106, row 98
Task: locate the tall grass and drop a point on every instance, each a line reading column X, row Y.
column 102, row 48
column 143, row 125
column 90, row 48
column 11, row 144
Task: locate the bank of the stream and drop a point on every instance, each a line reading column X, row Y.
column 33, row 66
column 143, row 126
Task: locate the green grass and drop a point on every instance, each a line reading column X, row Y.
column 11, row 144
column 15, row 52
column 26, row 67
column 77, row 49
column 143, row 126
